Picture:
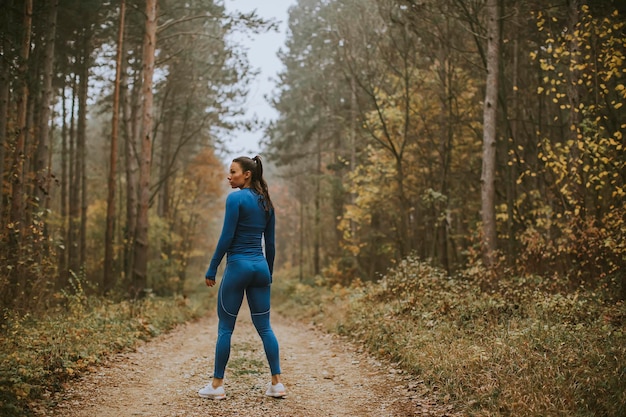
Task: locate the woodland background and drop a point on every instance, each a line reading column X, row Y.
column 481, row 141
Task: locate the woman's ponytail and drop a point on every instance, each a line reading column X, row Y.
column 258, row 184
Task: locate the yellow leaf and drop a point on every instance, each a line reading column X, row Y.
column 540, row 90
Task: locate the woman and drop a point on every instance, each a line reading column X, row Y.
column 249, row 217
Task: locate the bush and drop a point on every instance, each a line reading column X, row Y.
column 38, row 354
column 518, row 350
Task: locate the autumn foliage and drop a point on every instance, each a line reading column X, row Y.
column 393, row 115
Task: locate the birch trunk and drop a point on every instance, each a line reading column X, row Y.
column 489, row 243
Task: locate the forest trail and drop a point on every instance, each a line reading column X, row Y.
column 324, row 376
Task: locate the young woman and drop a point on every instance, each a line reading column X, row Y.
column 249, row 220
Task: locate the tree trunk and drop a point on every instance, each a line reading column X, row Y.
column 131, row 133
column 16, row 214
column 4, row 107
column 574, row 97
column 108, row 281
column 489, row 243
column 22, row 107
column 72, row 234
column 140, row 271
column 512, row 145
column 42, row 169
column 81, row 154
column 446, row 134
column 301, row 230
column 63, row 248
column 164, row 178
column 317, row 227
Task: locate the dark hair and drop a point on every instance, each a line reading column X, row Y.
column 257, row 182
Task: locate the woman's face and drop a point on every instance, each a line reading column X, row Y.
column 237, row 177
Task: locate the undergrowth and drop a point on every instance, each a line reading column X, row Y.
column 520, row 350
column 38, row 354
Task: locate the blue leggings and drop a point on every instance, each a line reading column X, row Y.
column 252, row 277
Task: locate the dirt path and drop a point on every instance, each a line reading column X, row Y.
column 324, row 376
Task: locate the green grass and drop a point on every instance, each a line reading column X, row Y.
column 39, row 353
column 517, row 351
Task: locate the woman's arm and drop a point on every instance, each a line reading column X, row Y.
column 270, row 245
column 231, row 217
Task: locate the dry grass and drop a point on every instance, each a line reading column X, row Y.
column 519, row 351
column 38, row 354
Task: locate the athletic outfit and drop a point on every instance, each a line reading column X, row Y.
column 246, row 226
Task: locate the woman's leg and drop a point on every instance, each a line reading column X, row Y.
column 229, row 298
column 259, row 302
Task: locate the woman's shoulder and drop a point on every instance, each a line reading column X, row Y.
column 233, row 197
column 240, row 195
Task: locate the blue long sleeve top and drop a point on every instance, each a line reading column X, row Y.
column 246, row 226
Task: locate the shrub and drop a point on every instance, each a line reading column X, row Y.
column 38, row 354
column 518, row 349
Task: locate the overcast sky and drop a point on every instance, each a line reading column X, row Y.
column 262, row 50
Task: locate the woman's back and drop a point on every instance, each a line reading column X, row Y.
column 245, row 224
column 251, row 223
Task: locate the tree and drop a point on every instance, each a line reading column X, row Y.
column 17, row 171
column 42, row 159
column 55, row 175
column 108, row 280
column 309, row 141
column 575, row 227
column 5, row 84
column 16, row 224
column 140, row 269
column 490, row 122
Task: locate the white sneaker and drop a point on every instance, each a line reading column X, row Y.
column 212, row 393
column 276, row 391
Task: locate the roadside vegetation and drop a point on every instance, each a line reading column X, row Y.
column 40, row 353
column 525, row 348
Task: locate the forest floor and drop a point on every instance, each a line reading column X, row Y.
column 325, row 375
